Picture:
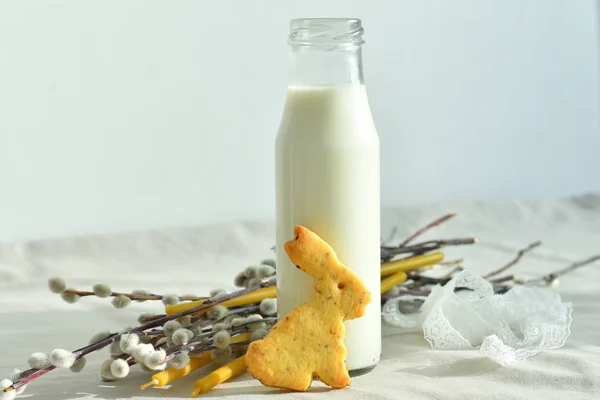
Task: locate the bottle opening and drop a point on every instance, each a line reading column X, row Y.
column 326, row 32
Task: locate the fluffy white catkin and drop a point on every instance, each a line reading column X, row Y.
column 221, row 339
column 105, row 373
column 141, row 292
column 78, row 365
column 220, row 355
column 61, row 358
column 119, row 368
column 128, row 342
column 115, row 348
column 254, row 282
column 217, row 292
column 101, row 290
column 170, row 299
column 170, row 327
column 15, row 377
column 70, row 297
column 217, row 312
column 268, row 306
column 268, row 261
column 220, row 326
column 10, row 395
column 141, row 351
column 257, row 322
column 265, row 271
column 258, row 334
column 155, row 359
column 185, row 320
column 38, row 360
column 143, row 316
column 180, row 360
column 250, row 272
column 98, row 337
column 182, row 336
column 57, row 285
column 121, row 301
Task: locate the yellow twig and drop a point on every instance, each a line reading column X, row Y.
column 220, row 375
column 252, row 297
column 172, row 374
column 153, row 382
column 408, row 264
column 392, row 281
column 426, row 260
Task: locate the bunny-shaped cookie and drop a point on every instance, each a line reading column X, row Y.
column 309, row 341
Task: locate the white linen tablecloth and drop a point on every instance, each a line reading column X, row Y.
column 198, row 259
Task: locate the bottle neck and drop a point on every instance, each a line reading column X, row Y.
column 325, row 66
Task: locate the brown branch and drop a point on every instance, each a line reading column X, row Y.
column 32, row 374
column 152, row 317
column 518, row 257
column 502, row 279
column 426, row 228
column 554, row 275
column 452, row 263
column 450, row 274
column 390, row 236
column 387, row 252
column 132, row 296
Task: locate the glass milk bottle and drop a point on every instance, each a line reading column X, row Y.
column 327, row 171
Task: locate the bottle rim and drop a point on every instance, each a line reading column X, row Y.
column 318, row 32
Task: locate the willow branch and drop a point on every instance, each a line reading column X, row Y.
column 390, row 236
column 133, row 296
column 426, row 228
column 387, row 252
column 32, row 374
column 502, row 279
column 518, row 257
column 452, row 263
column 554, row 275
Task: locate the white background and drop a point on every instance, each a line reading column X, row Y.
column 129, row 115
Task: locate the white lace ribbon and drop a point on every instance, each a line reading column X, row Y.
column 465, row 314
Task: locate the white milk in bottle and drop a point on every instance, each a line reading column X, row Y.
column 327, row 171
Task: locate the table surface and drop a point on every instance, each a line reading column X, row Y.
column 198, row 259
